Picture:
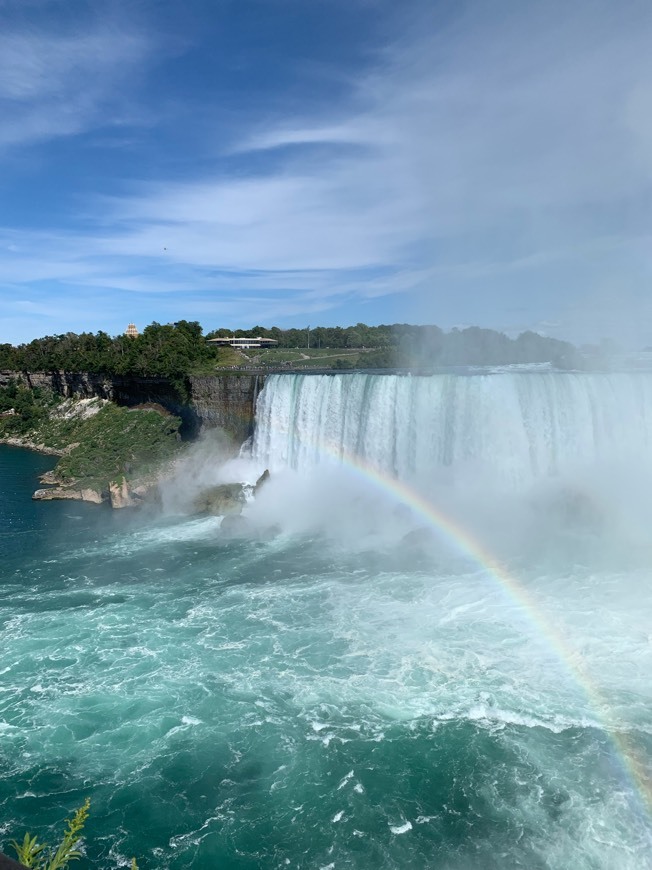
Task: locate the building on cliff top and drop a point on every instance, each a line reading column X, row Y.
column 131, row 331
column 243, row 343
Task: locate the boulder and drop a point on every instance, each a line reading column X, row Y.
column 227, row 498
column 92, row 495
column 234, row 526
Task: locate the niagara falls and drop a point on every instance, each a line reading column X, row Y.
column 325, row 435
column 429, row 647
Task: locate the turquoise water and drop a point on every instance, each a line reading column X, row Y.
column 292, row 701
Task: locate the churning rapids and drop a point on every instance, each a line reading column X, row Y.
column 432, row 648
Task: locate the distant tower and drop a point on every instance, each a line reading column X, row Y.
column 131, row 331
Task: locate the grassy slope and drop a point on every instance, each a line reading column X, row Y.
column 117, row 441
column 277, row 356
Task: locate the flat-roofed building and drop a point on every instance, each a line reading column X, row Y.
column 243, row 343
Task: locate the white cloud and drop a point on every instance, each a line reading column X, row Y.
column 510, row 143
column 56, row 84
column 494, row 138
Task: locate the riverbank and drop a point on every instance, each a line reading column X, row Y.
column 106, row 453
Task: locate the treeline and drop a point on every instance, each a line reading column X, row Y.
column 175, row 350
column 403, row 344
column 170, row 350
column 334, row 337
column 428, row 346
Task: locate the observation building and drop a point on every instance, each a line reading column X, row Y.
column 243, row 343
column 131, row 331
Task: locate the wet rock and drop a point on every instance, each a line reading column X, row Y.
column 262, row 480
column 234, row 526
column 222, row 500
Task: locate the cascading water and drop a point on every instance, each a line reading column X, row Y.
column 524, row 425
column 327, row 690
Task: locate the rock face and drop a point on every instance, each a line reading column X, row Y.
column 119, row 494
column 60, row 492
column 225, row 401
column 68, row 384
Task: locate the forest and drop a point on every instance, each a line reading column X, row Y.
column 179, row 349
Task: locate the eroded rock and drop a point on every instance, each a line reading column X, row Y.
column 222, row 500
column 65, row 493
column 120, row 495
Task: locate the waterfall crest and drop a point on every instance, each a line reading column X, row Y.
column 521, row 425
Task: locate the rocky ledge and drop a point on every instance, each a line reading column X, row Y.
column 61, row 492
column 120, row 494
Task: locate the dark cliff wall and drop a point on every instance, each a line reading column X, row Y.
column 221, row 401
column 81, row 384
column 226, row 402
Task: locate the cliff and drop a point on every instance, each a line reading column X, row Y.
column 226, row 402
column 219, row 401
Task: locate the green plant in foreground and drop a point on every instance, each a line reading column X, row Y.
column 31, row 853
column 40, row 856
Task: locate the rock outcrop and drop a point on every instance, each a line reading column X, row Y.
column 222, row 500
column 225, row 401
column 49, row 478
column 67, row 493
column 119, row 494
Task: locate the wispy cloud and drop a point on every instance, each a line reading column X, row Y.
column 57, row 83
column 497, row 137
column 502, row 154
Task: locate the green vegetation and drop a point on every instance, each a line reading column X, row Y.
column 116, row 442
column 303, row 358
column 177, row 350
column 172, row 351
column 108, row 442
column 22, row 410
column 40, row 856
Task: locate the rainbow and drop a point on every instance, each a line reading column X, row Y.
column 632, row 766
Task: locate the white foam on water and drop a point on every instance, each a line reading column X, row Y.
column 401, row 829
column 323, row 659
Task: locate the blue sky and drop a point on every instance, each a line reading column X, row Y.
column 289, row 162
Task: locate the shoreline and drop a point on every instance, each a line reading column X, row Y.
column 27, row 444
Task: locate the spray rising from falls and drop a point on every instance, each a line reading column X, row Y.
column 526, row 427
column 305, row 698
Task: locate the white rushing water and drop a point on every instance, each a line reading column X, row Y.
column 338, row 685
column 522, row 426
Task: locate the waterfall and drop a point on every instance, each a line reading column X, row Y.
column 520, row 425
